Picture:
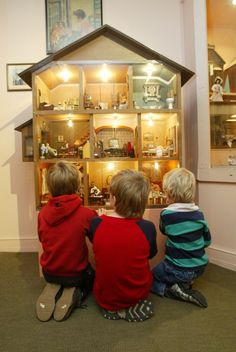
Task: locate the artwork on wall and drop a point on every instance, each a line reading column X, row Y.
column 69, row 20
column 14, row 81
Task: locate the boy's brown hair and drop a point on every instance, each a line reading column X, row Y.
column 131, row 189
column 62, row 178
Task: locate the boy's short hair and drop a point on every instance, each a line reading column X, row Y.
column 62, row 178
column 131, row 189
column 179, row 185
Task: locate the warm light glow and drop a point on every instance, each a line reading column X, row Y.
column 234, row 2
column 104, row 73
column 149, row 69
column 156, row 165
column 150, row 120
column 65, row 75
column 70, row 123
column 110, row 166
column 115, row 121
column 232, row 118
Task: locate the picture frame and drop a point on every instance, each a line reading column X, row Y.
column 70, row 20
column 14, row 81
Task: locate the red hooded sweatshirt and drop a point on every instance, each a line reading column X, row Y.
column 62, row 226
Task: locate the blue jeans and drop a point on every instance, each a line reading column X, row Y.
column 165, row 274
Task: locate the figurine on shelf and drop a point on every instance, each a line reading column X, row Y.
column 231, row 160
column 94, row 191
column 51, row 151
column 170, row 99
column 43, row 151
column 217, row 90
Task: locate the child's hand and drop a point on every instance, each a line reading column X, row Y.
column 101, row 211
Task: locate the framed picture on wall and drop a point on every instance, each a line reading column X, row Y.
column 14, row 82
column 70, row 20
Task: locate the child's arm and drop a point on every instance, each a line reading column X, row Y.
column 207, row 236
column 93, row 226
column 206, row 232
column 149, row 231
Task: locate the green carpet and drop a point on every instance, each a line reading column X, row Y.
column 175, row 327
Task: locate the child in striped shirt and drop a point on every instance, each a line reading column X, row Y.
column 187, row 237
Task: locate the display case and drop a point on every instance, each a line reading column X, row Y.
column 223, row 133
column 116, row 109
column 222, row 86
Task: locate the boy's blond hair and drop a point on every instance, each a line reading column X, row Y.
column 179, row 185
column 62, row 178
column 131, row 189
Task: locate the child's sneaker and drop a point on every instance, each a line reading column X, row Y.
column 180, row 292
column 140, row 312
column 66, row 303
column 46, row 302
column 110, row 315
column 143, row 310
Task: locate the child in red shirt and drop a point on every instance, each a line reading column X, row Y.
column 123, row 243
column 62, row 227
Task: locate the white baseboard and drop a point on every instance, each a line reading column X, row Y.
column 19, row 245
column 222, row 258
column 217, row 256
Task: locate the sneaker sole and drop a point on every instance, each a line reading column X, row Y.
column 143, row 310
column 65, row 304
column 46, row 302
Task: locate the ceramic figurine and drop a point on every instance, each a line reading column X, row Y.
column 217, row 90
column 43, row 151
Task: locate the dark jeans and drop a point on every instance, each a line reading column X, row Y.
column 165, row 274
column 84, row 281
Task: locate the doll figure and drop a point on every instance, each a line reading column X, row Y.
column 94, row 191
column 217, row 90
column 43, row 151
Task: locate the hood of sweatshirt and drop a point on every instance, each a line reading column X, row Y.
column 59, row 208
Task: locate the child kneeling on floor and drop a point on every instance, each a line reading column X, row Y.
column 123, row 243
column 62, row 227
column 187, row 236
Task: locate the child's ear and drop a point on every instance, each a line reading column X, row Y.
column 112, row 200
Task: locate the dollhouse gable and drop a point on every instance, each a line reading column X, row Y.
column 106, row 43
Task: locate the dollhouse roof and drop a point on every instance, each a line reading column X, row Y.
column 214, row 57
column 23, row 125
column 93, row 43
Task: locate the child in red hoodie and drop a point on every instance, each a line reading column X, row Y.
column 62, row 228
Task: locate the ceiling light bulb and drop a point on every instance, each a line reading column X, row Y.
column 150, row 120
column 105, row 74
column 234, row 2
column 65, row 75
column 115, row 122
column 70, row 123
column 149, row 69
column 110, row 166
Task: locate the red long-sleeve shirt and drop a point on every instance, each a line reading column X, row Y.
column 122, row 248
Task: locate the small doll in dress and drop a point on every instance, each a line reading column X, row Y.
column 217, row 90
